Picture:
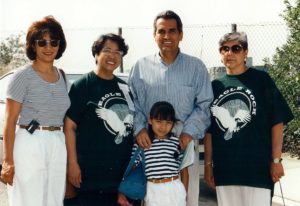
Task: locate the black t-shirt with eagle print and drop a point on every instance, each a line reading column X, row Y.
column 244, row 109
column 104, row 135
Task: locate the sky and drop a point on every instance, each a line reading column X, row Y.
column 18, row 14
column 86, row 15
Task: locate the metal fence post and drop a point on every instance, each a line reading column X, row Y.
column 121, row 65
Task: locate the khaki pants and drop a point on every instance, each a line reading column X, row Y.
column 194, row 179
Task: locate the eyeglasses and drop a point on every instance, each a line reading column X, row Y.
column 234, row 49
column 109, row 51
column 43, row 42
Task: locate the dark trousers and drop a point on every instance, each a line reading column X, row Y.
column 96, row 199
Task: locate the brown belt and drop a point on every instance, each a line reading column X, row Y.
column 163, row 180
column 48, row 128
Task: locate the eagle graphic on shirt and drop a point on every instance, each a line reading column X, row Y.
column 121, row 127
column 116, row 116
column 233, row 110
column 230, row 119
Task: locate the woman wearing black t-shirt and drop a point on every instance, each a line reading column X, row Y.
column 243, row 145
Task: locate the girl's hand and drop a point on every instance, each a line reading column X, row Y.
column 8, row 172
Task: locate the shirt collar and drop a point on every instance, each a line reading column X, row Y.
column 158, row 57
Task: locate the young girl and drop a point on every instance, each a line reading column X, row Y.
column 162, row 161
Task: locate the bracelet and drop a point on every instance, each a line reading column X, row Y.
column 277, row 160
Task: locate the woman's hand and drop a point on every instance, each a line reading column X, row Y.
column 8, row 172
column 74, row 174
column 12, row 112
column 122, row 200
column 277, row 171
column 208, row 176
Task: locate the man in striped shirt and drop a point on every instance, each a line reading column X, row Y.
column 178, row 78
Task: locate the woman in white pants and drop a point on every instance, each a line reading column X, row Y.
column 34, row 165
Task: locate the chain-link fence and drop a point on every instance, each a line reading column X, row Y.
column 202, row 41
column 198, row 40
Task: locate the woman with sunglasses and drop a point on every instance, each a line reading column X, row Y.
column 243, row 145
column 34, row 165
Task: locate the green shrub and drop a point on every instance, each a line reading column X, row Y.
column 285, row 70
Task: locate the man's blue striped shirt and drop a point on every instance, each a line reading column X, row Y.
column 185, row 84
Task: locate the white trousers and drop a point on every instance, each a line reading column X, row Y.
column 40, row 169
column 243, row 196
column 194, row 179
column 165, row 194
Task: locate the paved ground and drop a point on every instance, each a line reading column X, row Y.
column 290, row 183
column 207, row 196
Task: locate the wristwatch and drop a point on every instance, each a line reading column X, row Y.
column 277, row 160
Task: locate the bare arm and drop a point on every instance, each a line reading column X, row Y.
column 276, row 169
column 208, row 165
column 12, row 112
column 184, row 175
column 74, row 172
column 122, row 200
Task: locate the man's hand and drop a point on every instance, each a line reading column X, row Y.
column 8, row 172
column 184, row 140
column 74, row 174
column 143, row 139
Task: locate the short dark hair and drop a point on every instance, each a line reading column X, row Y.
column 168, row 14
column 48, row 25
column 163, row 111
column 241, row 37
column 99, row 43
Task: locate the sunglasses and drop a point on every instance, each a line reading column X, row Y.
column 234, row 49
column 43, row 42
